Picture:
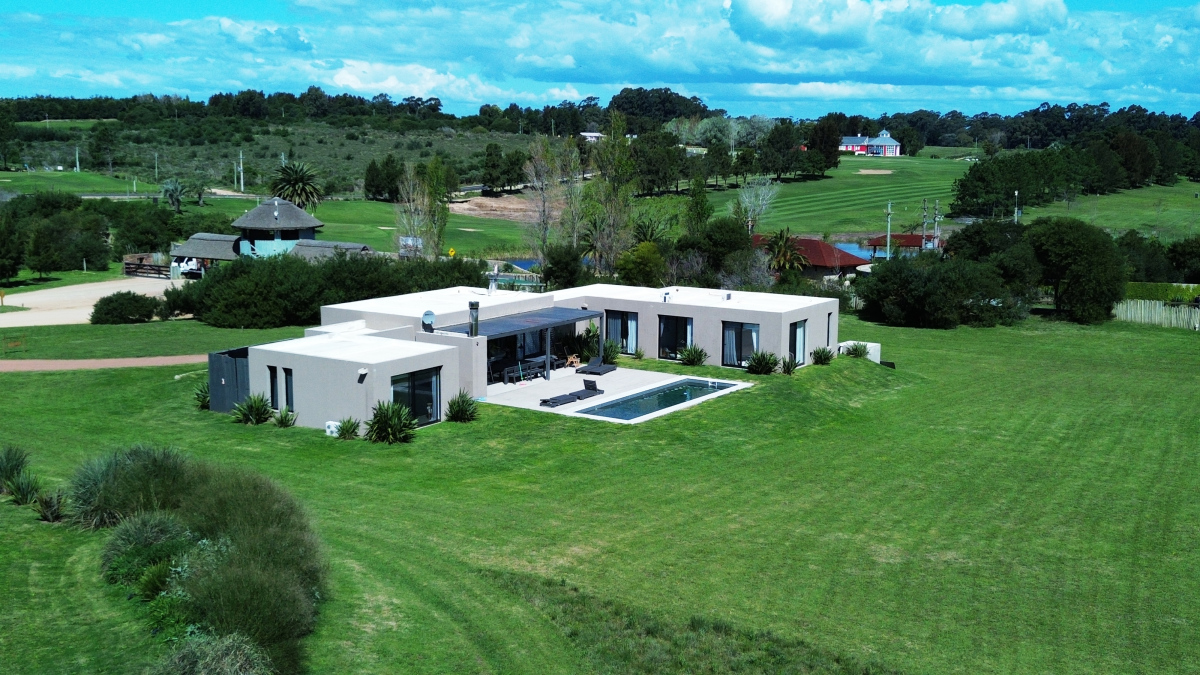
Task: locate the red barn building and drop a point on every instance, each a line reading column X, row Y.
column 882, row 146
column 824, row 259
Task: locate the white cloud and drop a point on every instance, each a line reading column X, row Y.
column 10, row 72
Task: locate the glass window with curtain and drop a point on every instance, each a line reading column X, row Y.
column 289, row 397
column 674, row 334
column 738, row 342
column 796, row 344
column 621, row 327
column 421, row 392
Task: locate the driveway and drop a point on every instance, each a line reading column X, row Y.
column 73, row 304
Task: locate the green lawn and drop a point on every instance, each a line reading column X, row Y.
column 847, row 201
column 1171, row 212
column 362, row 221
column 1010, row 500
column 157, row 338
column 31, row 281
column 84, row 182
column 64, row 124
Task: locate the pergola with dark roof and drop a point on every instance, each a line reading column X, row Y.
column 207, row 246
column 527, row 322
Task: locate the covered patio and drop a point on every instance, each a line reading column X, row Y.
column 523, row 346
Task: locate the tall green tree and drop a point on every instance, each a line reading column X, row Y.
column 699, row 210
column 46, row 250
column 103, row 143
column 493, row 167
column 173, row 191
column 746, row 164
column 1083, row 266
column 12, row 248
column 911, row 141
column 658, row 159
column 374, row 187
column 825, row 139
column 780, row 150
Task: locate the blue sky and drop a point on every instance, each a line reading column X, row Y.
column 777, row 57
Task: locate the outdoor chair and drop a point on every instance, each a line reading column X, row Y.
column 555, row 401
column 573, row 361
column 589, row 390
column 596, row 366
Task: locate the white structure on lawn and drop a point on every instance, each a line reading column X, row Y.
column 881, row 146
column 421, row 349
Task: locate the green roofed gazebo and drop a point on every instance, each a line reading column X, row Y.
column 274, row 226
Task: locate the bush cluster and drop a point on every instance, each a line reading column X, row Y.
column 125, row 307
column 462, row 408
column 289, row 291
column 693, row 356
column 391, row 423
column 762, row 363
column 822, row 356
column 1161, row 292
column 220, row 551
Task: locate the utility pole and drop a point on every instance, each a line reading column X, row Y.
column 282, row 159
column 155, row 167
column 135, row 185
column 77, row 159
column 552, row 133
column 924, row 220
column 937, row 221
column 242, row 171
column 889, row 231
column 1016, row 205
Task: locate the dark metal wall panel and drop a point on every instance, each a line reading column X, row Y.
column 228, row 378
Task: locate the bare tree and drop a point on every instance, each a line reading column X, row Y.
column 570, row 170
column 754, row 200
column 542, row 179
column 412, row 212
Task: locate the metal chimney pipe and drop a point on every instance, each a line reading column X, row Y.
column 473, row 322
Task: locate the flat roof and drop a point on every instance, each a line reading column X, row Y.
column 355, row 347
column 538, row 319
column 438, row 301
column 694, row 297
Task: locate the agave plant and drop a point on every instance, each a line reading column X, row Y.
column 13, row 461
column 857, row 350
column 298, row 183
column 24, row 487
column 788, row 365
column 462, row 408
column 692, row 356
column 391, row 423
column 256, row 409
column 822, row 356
column 347, row 429
column 51, row 505
column 285, row 418
column 201, row 396
column 762, row 363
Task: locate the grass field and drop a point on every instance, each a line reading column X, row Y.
column 1171, row 212
column 847, row 201
column 361, row 221
column 64, row 124
column 30, row 281
column 157, row 338
column 1009, row 500
column 84, row 182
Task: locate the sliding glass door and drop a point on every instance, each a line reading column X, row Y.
column 621, row 327
column 674, row 334
column 738, row 342
column 796, row 343
column 421, row 392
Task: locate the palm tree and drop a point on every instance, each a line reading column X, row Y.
column 783, row 252
column 297, row 183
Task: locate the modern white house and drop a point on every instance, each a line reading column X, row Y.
column 421, row 349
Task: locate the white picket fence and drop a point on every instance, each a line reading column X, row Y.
column 1158, row 313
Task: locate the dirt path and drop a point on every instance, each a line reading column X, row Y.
column 32, row 365
column 73, row 304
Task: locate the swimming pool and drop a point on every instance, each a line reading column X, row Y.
column 658, row 400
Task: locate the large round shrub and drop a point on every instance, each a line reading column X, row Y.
column 125, row 307
column 1081, row 263
column 141, row 478
column 141, row 541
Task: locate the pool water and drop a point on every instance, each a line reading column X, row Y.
column 659, row 398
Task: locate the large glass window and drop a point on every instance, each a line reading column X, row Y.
column 796, row 344
column 421, row 392
column 738, row 342
column 288, row 391
column 274, row 387
column 674, row 334
column 621, row 327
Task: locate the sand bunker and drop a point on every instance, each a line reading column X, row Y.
column 505, row 207
column 874, row 172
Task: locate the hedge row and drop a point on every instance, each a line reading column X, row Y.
column 1163, row 292
column 289, row 291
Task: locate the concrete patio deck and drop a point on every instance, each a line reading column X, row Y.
column 617, row 384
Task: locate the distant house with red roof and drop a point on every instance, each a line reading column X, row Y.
column 824, row 259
